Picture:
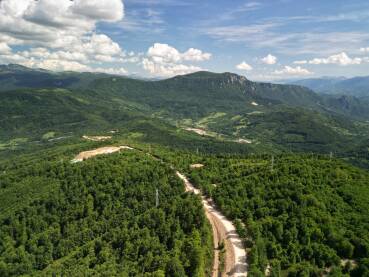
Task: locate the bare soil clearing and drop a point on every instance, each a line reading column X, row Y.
column 99, row 151
column 223, row 230
column 97, row 138
column 247, row 141
column 194, row 166
column 198, row 131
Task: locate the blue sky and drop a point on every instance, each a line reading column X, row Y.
column 263, row 40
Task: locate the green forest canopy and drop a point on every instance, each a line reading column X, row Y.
column 99, row 218
column 303, row 215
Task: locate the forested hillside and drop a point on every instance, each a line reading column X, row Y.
column 300, row 215
column 303, row 213
column 226, row 107
column 99, row 218
column 14, row 76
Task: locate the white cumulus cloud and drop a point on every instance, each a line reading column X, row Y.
column 168, row 70
column 165, row 61
column 270, row 59
column 55, row 23
column 300, row 62
column 364, row 49
column 58, row 65
column 112, row 10
column 100, row 46
column 164, row 53
column 195, row 55
column 55, row 63
column 293, row 71
column 4, row 48
column 244, row 66
column 338, row 59
column 59, row 35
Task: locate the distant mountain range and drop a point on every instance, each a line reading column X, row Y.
column 357, row 86
column 226, row 106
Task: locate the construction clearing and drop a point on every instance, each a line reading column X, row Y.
column 96, row 138
column 99, row 151
column 194, row 166
column 198, row 131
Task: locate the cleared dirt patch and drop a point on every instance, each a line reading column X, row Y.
column 198, row 131
column 194, row 166
column 97, row 138
column 99, row 151
column 245, row 141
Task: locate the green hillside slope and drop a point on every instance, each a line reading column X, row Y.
column 99, row 218
column 301, row 215
column 226, row 107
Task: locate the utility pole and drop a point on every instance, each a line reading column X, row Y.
column 272, row 165
column 156, row 198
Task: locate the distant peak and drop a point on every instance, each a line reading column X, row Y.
column 12, row 66
column 20, row 68
column 228, row 77
column 234, row 78
column 198, row 74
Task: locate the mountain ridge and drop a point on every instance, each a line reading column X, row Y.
column 227, row 106
column 355, row 86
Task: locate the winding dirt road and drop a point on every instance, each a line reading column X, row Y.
column 235, row 263
column 223, row 230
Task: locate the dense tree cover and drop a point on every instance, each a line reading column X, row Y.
column 30, row 113
column 136, row 132
column 302, row 216
column 285, row 117
column 161, row 135
column 99, row 218
column 15, row 76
